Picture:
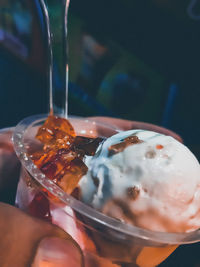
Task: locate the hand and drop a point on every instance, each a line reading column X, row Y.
column 9, row 168
column 27, row 241
column 24, row 240
column 126, row 125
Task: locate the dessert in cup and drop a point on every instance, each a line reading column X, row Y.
column 128, row 198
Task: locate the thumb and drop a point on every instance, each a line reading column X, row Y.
column 27, row 241
column 57, row 252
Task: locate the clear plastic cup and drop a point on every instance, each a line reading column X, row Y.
column 105, row 242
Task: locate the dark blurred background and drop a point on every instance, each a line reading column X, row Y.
column 138, row 60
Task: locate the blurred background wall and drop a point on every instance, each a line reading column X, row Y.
column 137, row 60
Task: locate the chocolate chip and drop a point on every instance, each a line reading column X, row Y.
column 87, row 145
column 133, row 192
column 150, row 154
column 117, row 148
column 133, row 139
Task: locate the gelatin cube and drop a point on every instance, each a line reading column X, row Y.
column 73, row 175
column 52, row 126
column 59, row 143
column 39, row 207
column 49, row 169
column 56, row 132
column 43, row 159
column 68, row 155
column 88, row 145
column 61, row 158
column 56, row 167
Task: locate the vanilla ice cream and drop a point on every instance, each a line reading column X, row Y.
column 145, row 179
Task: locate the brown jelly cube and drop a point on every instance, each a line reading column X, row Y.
column 62, row 162
column 87, row 145
column 39, row 207
column 72, row 176
column 61, row 158
column 56, row 133
column 41, row 158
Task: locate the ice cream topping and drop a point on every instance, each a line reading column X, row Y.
column 140, row 177
column 61, row 158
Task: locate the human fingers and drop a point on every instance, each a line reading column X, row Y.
column 27, row 241
column 9, row 168
column 126, row 125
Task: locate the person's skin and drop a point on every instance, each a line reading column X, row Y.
column 126, row 125
column 27, row 241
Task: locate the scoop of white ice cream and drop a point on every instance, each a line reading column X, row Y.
column 153, row 182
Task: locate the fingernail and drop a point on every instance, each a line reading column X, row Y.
column 57, row 252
